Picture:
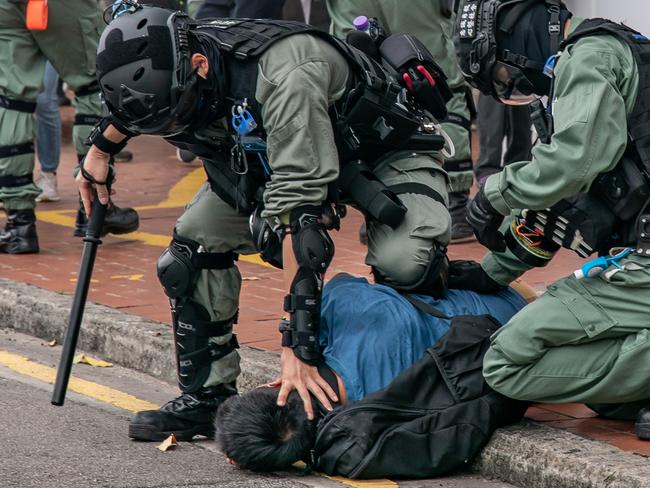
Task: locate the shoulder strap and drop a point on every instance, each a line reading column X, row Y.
column 247, row 39
column 425, row 307
column 589, row 27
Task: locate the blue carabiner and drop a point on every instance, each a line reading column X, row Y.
column 243, row 122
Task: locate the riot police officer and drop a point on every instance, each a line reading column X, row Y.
column 286, row 119
column 586, row 189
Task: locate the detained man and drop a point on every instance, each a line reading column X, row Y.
column 369, row 335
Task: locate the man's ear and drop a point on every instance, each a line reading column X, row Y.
column 201, row 62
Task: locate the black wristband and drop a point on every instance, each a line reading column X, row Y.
column 121, row 126
column 97, row 139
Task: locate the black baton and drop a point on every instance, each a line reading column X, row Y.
column 91, row 242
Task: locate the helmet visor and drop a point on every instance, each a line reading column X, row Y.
column 511, row 86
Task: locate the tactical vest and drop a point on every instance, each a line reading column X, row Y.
column 241, row 42
column 625, row 191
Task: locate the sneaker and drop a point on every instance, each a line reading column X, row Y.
column 186, row 416
column 185, row 155
column 49, row 188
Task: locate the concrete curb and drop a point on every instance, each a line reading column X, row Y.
column 532, row 455
column 127, row 340
column 527, row 454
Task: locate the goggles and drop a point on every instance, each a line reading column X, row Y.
column 118, row 8
column 511, row 86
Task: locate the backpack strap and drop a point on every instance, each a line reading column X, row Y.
column 425, row 307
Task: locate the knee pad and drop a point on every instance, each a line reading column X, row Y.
column 180, row 264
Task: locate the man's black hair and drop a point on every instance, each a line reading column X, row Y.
column 258, row 435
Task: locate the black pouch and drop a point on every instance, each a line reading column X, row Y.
column 377, row 120
column 418, row 72
column 370, row 195
column 625, row 189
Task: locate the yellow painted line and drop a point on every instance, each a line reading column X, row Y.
column 102, row 393
column 381, row 483
column 135, row 277
column 60, row 217
column 378, row 483
column 178, row 196
column 182, row 192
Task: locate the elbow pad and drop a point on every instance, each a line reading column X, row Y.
column 314, row 250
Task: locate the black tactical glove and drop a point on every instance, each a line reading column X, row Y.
column 485, row 221
column 469, row 275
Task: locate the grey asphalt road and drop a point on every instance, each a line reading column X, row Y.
column 84, row 443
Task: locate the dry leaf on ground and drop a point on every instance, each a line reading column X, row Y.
column 97, row 363
column 167, row 444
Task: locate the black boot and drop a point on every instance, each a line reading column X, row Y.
column 460, row 229
column 118, row 221
column 642, row 424
column 19, row 236
column 186, row 416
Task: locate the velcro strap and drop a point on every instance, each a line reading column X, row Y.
column 307, row 339
column 457, row 165
column 15, row 181
column 419, row 189
column 214, row 260
column 300, row 302
column 292, row 338
column 87, row 119
column 209, row 354
column 89, row 89
column 102, row 143
column 457, row 119
column 205, row 328
column 16, row 150
column 17, row 105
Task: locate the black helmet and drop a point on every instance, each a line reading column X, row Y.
column 502, row 47
column 144, row 70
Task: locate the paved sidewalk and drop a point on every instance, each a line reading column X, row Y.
column 158, row 185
